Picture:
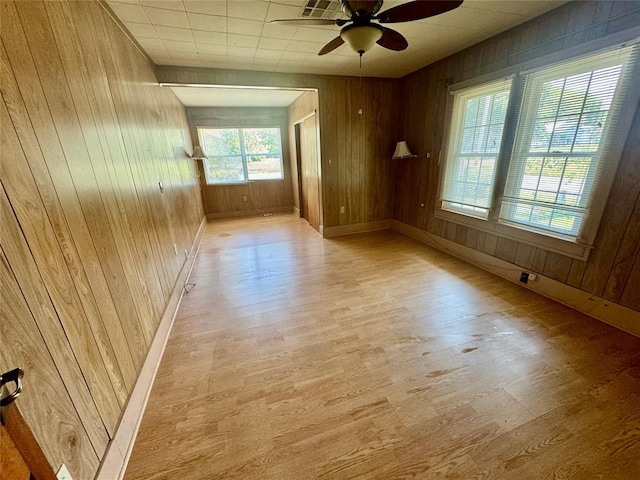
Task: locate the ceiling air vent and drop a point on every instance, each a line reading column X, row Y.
column 322, row 9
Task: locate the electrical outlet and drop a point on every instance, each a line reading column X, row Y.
column 244, row 198
column 63, row 473
column 341, row 208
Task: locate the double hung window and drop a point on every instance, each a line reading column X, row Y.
column 478, row 125
column 530, row 151
column 239, row 155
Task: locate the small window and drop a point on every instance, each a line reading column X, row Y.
column 541, row 173
column 239, row 155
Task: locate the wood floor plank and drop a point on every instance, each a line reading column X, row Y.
column 375, row 357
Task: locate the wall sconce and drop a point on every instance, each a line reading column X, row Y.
column 402, row 151
column 198, row 154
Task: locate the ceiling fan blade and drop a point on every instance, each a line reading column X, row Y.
column 305, row 21
column 331, row 46
column 417, row 10
column 392, row 40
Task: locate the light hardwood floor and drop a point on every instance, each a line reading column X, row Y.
column 373, row 356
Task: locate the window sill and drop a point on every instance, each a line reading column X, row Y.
column 547, row 242
column 240, row 184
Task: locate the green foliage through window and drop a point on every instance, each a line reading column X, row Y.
column 238, row 155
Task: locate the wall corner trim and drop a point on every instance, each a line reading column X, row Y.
column 604, row 310
column 116, row 458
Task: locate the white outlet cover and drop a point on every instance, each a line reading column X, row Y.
column 63, row 473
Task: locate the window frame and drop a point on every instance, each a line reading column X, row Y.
column 243, row 154
column 490, row 86
column 581, row 246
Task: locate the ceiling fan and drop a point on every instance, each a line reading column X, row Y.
column 361, row 33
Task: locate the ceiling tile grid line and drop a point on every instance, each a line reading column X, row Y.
column 237, row 34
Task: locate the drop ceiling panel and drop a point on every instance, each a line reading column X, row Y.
column 237, row 34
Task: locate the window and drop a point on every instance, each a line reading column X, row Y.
column 239, row 155
column 541, row 172
column 477, row 134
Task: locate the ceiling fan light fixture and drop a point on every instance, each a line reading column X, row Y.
column 361, row 38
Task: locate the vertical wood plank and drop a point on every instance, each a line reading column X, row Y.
column 506, row 249
column 631, row 293
column 539, row 259
column 524, row 255
column 557, row 266
column 628, row 250
column 576, row 273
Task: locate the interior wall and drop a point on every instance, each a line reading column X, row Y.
column 91, row 246
column 262, row 196
column 613, row 268
column 358, row 133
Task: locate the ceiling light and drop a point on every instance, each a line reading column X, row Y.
column 361, row 37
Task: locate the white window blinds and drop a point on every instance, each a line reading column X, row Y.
column 475, row 140
column 567, row 116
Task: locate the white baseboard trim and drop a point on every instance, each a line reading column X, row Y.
column 604, row 310
column 116, row 458
column 249, row 213
column 355, row 228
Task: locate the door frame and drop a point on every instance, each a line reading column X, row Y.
column 26, row 444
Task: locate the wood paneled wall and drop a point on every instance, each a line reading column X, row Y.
column 88, row 240
column 613, row 269
column 305, row 105
column 356, row 148
column 262, row 196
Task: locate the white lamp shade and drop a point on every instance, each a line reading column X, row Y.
column 198, row 154
column 402, row 150
column 361, row 38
